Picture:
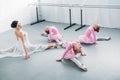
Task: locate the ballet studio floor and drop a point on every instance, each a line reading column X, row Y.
column 102, row 60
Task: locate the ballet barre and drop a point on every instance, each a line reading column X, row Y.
column 81, row 6
column 58, row 5
column 62, row 5
column 52, row 4
column 81, row 16
column 37, row 18
column 102, row 6
column 93, row 6
column 37, row 15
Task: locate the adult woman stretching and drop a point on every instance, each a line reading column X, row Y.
column 23, row 45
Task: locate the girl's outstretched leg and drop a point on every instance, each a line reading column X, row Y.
column 81, row 66
column 104, row 39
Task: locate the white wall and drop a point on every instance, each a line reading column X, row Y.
column 105, row 17
column 15, row 10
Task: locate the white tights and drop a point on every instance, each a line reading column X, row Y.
column 77, row 62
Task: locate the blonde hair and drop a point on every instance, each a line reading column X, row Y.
column 98, row 25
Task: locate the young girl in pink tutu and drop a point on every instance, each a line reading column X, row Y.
column 90, row 37
column 53, row 34
column 72, row 52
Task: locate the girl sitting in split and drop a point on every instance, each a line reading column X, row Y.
column 53, row 34
column 23, row 45
column 90, row 37
column 72, row 51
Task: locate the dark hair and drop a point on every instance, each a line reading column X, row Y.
column 14, row 24
column 47, row 32
column 98, row 28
